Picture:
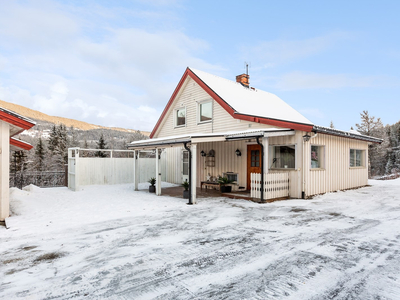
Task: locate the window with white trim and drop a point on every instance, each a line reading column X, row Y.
column 357, row 158
column 282, row 157
column 205, row 111
column 180, row 117
column 317, row 157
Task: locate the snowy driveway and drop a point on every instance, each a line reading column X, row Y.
column 111, row 242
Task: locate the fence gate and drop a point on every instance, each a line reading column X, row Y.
column 276, row 185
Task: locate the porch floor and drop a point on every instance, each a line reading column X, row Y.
column 207, row 193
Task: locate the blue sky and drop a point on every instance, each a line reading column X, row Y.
column 116, row 63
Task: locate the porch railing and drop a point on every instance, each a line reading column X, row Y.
column 276, row 185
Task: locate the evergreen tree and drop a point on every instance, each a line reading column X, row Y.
column 53, row 139
column 376, row 152
column 39, row 163
column 74, row 137
column 18, row 161
column 101, row 144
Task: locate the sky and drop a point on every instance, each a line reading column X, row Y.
column 117, row 63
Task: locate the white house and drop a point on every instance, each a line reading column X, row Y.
column 11, row 124
column 213, row 127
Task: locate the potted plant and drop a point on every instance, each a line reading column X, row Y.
column 223, row 182
column 152, row 188
column 185, row 185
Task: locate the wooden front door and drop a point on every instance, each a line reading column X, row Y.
column 254, row 161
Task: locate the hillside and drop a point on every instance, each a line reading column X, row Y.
column 39, row 116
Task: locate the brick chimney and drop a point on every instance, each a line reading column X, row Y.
column 243, row 79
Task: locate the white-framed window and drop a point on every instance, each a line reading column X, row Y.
column 357, row 158
column 205, row 111
column 317, row 157
column 180, row 117
column 282, row 157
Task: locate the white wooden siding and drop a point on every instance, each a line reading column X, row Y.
column 191, row 93
column 337, row 174
column 225, row 161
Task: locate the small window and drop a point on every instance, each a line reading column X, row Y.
column 180, row 117
column 357, row 158
column 317, row 157
column 282, row 157
column 205, row 111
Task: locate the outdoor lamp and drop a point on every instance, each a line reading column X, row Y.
column 238, row 153
column 306, row 137
column 202, row 153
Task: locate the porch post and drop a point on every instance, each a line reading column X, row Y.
column 193, row 172
column 4, row 170
column 158, row 174
column 265, row 143
column 136, row 169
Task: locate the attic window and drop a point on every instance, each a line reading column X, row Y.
column 205, row 111
column 180, row 117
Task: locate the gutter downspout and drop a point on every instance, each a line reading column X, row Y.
column 190, row 173
column 262, row 169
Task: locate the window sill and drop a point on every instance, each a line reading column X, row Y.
column 180, row 126
column 357, row 168
column 317, row 169
column 283, row 169
column 204, row 122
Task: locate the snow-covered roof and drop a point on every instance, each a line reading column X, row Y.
column 249, row 101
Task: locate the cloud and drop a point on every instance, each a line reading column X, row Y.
column 300, row 80
column 57, row 59
column 273, row 53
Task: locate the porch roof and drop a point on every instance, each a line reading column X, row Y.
column 209, row 137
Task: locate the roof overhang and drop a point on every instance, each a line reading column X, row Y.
column 16, row 145
column 206, row 138
column 346, row 134
column 19, row 123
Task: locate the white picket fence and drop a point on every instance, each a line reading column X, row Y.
column 276, row 185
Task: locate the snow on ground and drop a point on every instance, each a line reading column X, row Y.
column 112, row 242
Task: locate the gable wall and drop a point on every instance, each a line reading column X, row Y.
column 189, row 96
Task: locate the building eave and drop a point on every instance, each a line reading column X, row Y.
column 346, row 134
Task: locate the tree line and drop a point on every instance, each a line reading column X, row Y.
column 384, row 158
column 51, row 154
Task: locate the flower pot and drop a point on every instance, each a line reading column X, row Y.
column 226, row 189
column 185, row 194
column 314, row 164
column 152, row 189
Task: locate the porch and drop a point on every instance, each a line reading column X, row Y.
column 202, row 158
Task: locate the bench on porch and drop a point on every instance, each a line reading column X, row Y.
column 211, row 184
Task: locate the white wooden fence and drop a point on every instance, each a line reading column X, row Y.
column 276, row 185
column 106, row 170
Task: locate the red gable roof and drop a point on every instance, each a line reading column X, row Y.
column 227, row 107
